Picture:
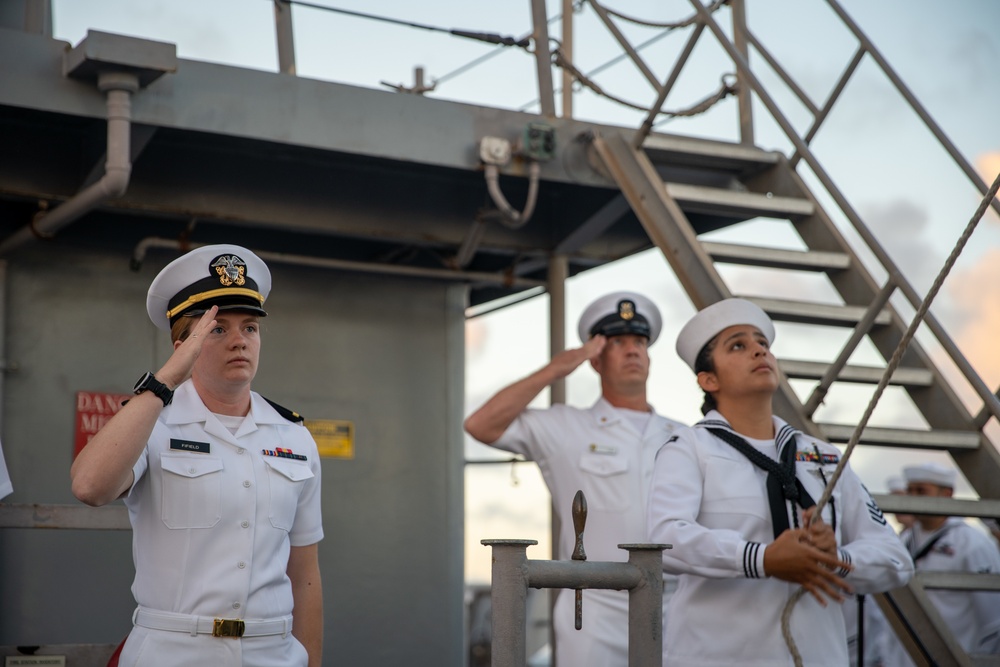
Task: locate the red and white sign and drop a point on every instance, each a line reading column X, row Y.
column 93, row 410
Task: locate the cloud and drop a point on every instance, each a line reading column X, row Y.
column 976, row 294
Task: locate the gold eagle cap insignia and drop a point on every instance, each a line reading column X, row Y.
column 626, row 310
column 230, row 269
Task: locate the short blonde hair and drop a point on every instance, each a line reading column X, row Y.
column 181, row 328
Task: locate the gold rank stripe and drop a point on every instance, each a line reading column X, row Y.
column 211, row 294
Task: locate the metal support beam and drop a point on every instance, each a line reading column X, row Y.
column 543, row 58
column 285, row 36
column 558, row 273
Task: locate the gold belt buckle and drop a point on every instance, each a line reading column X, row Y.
column 228, row 627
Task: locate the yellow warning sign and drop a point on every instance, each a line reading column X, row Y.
column 334, row 437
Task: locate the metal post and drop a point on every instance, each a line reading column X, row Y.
column 567, row 49
column 743, row 85
column 508, row 598
column 543, row 58
column 558, row 272
column 285, row 36
column 645, row 605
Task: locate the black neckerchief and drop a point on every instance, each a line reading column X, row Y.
column 782, row 484
column 926, row 549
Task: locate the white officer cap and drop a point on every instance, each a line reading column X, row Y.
column 932, row 473
column 708, row 322
column 896, row 484
column 228, row 276
column 621, row 313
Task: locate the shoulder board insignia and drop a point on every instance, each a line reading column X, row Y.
column 290, row 415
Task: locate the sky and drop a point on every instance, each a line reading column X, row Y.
column 877, row 151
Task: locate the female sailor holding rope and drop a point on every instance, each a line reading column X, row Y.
column 732, row 495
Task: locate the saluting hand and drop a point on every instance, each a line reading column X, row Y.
column 180, row 364
column 568, row 361
column 795, row 558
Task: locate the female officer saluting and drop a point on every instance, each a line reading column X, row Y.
column 731, row 494
column 222, row 488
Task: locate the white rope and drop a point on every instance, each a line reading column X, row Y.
column 897, row 356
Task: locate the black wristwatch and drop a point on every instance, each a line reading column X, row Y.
column 148, row 382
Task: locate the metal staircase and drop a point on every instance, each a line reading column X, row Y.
column 737, row 183
column 681, row 189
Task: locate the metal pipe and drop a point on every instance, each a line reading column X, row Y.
column 508, row 597
column 743, row 98
column 567, row 49
column 543, row 58
column 654, row 111
column 558, row 273
column 860, row 331
column 285, row 36
column 119, row 87
column 509, row 216
column 139, row 254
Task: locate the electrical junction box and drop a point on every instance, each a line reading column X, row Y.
column 539, row 142
column 494, row 150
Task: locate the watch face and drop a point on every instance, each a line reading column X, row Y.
column 141, row 384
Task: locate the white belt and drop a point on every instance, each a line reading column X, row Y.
column 206, row 625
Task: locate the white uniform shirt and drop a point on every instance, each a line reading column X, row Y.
column 710, row 502
column 600, row 452
column 6, row 488
column 973, row 616
column 213, row 517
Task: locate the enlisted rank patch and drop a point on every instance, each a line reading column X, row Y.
column 230, row 269
column 874, row 511
column 282, row 453
column 190, row 446
column 813, row 457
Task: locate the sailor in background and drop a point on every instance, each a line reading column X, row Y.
column 949, row 544
column 733, row 494
column 222, row 487
column 607, row 451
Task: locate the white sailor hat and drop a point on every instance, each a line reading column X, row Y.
column 896, row 484
column 228, row 276
column 621, row 313
column 708, row 322
column 933, row 473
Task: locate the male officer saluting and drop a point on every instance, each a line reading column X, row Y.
column 607, row 451
column 222, row 487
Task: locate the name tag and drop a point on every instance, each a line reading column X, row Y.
column 603, row 449
column 190, row 446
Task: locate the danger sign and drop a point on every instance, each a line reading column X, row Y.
column 93, row 410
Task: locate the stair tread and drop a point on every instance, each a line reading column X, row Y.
column 787, row 310
column 779, row 258
column 903, row 504
column 815, row 370
column 707, row 153
column 705, row 199
column 900, row 437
